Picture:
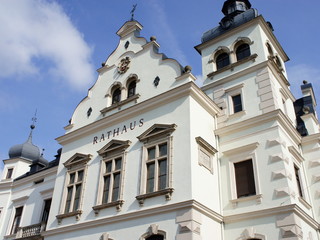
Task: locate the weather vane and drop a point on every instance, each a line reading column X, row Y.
column 132, row 11
column 34, row 119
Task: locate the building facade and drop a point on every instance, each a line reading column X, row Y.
column 149, row 155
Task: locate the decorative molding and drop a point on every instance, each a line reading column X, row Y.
column 118, row 204
column 296, row 154
column 157, row 131
column 284, row 173
column 77, row 214
column 283, row 192
column 242, row 149
column 257, row 198
column 120, row 104
column 189, row 89
column 275, row 142
column 278, row 157
column 166, row 192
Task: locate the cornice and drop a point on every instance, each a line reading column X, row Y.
column 36, row 176
column 187, row 89
column 236, row 75
column 276, row 115
column 258, row 20
column 292, row 208
column 314, row 138
column 135, row 215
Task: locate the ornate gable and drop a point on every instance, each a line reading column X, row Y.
column 114, row 146
column 157, row 131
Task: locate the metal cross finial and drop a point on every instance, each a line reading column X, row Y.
column 132, row 11
column 34, row 119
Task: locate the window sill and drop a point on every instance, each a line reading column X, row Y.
column 237, row 114
column 257, row 197
column 77, row 214
column 120, row 104
column 233, row 65
column 167, row 192
column 118, row 204
column 304, row 203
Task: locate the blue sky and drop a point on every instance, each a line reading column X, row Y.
column 50, row 50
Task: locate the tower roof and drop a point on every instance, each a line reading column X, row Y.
column 27, row 150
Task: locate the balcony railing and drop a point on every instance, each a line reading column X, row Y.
column 31, row 231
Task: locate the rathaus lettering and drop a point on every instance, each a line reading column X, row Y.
column 117, row 131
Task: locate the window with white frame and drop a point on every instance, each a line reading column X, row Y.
column 298, row 180
column 9, row 173
column 74, row 186
column 156, row 162
column 46, row 210
column 235, row 99
column 243, row 173
column 16, row 220
column 111, row 175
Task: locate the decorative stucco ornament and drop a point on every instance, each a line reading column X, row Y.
column 124, row 65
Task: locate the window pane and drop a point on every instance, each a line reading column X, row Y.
column 162, row 175
column 296, row 170
column 151, row 153
column 77, row 197
column 132, row 89
column 163, row 149
column 68, row 201
column 116, row 186
column 116, row 96
column 222, row 60
column 118, row 163
column 17, row 220
column 150, row 177
column 106, row 188
column 72, row 177
column 80, row 176
column 244, row 179
column 155, row 237
column 108, row 166
column 9, row 173
column 237, row 103
column 46, row 210
column 243, row 51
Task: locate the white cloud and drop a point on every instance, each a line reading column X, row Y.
column 33, row 31
column 165, row 27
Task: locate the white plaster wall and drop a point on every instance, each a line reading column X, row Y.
column 177, row 112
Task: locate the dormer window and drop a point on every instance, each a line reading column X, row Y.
column 222, row 60
column 116, row 95
column 132, row 88
column 243, row 51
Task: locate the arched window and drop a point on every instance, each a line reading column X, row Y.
column 155, row 237
column 116, row 95
column 222, row 60
column 270, row 51
column 132, row 88
column 243, row 51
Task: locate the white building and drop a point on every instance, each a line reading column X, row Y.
column 149, row 155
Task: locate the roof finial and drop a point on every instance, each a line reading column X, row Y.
column 132, row 11
column 32, row 126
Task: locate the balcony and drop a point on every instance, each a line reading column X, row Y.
column 31, row 232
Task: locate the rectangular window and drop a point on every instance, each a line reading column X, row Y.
column 157, row 174
column 298, row 180
column 74, row 188
column 244, row 178
column 9, row 173
column 46, row 210
column 237, row 103
column 16, row 220
column 112, row 179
